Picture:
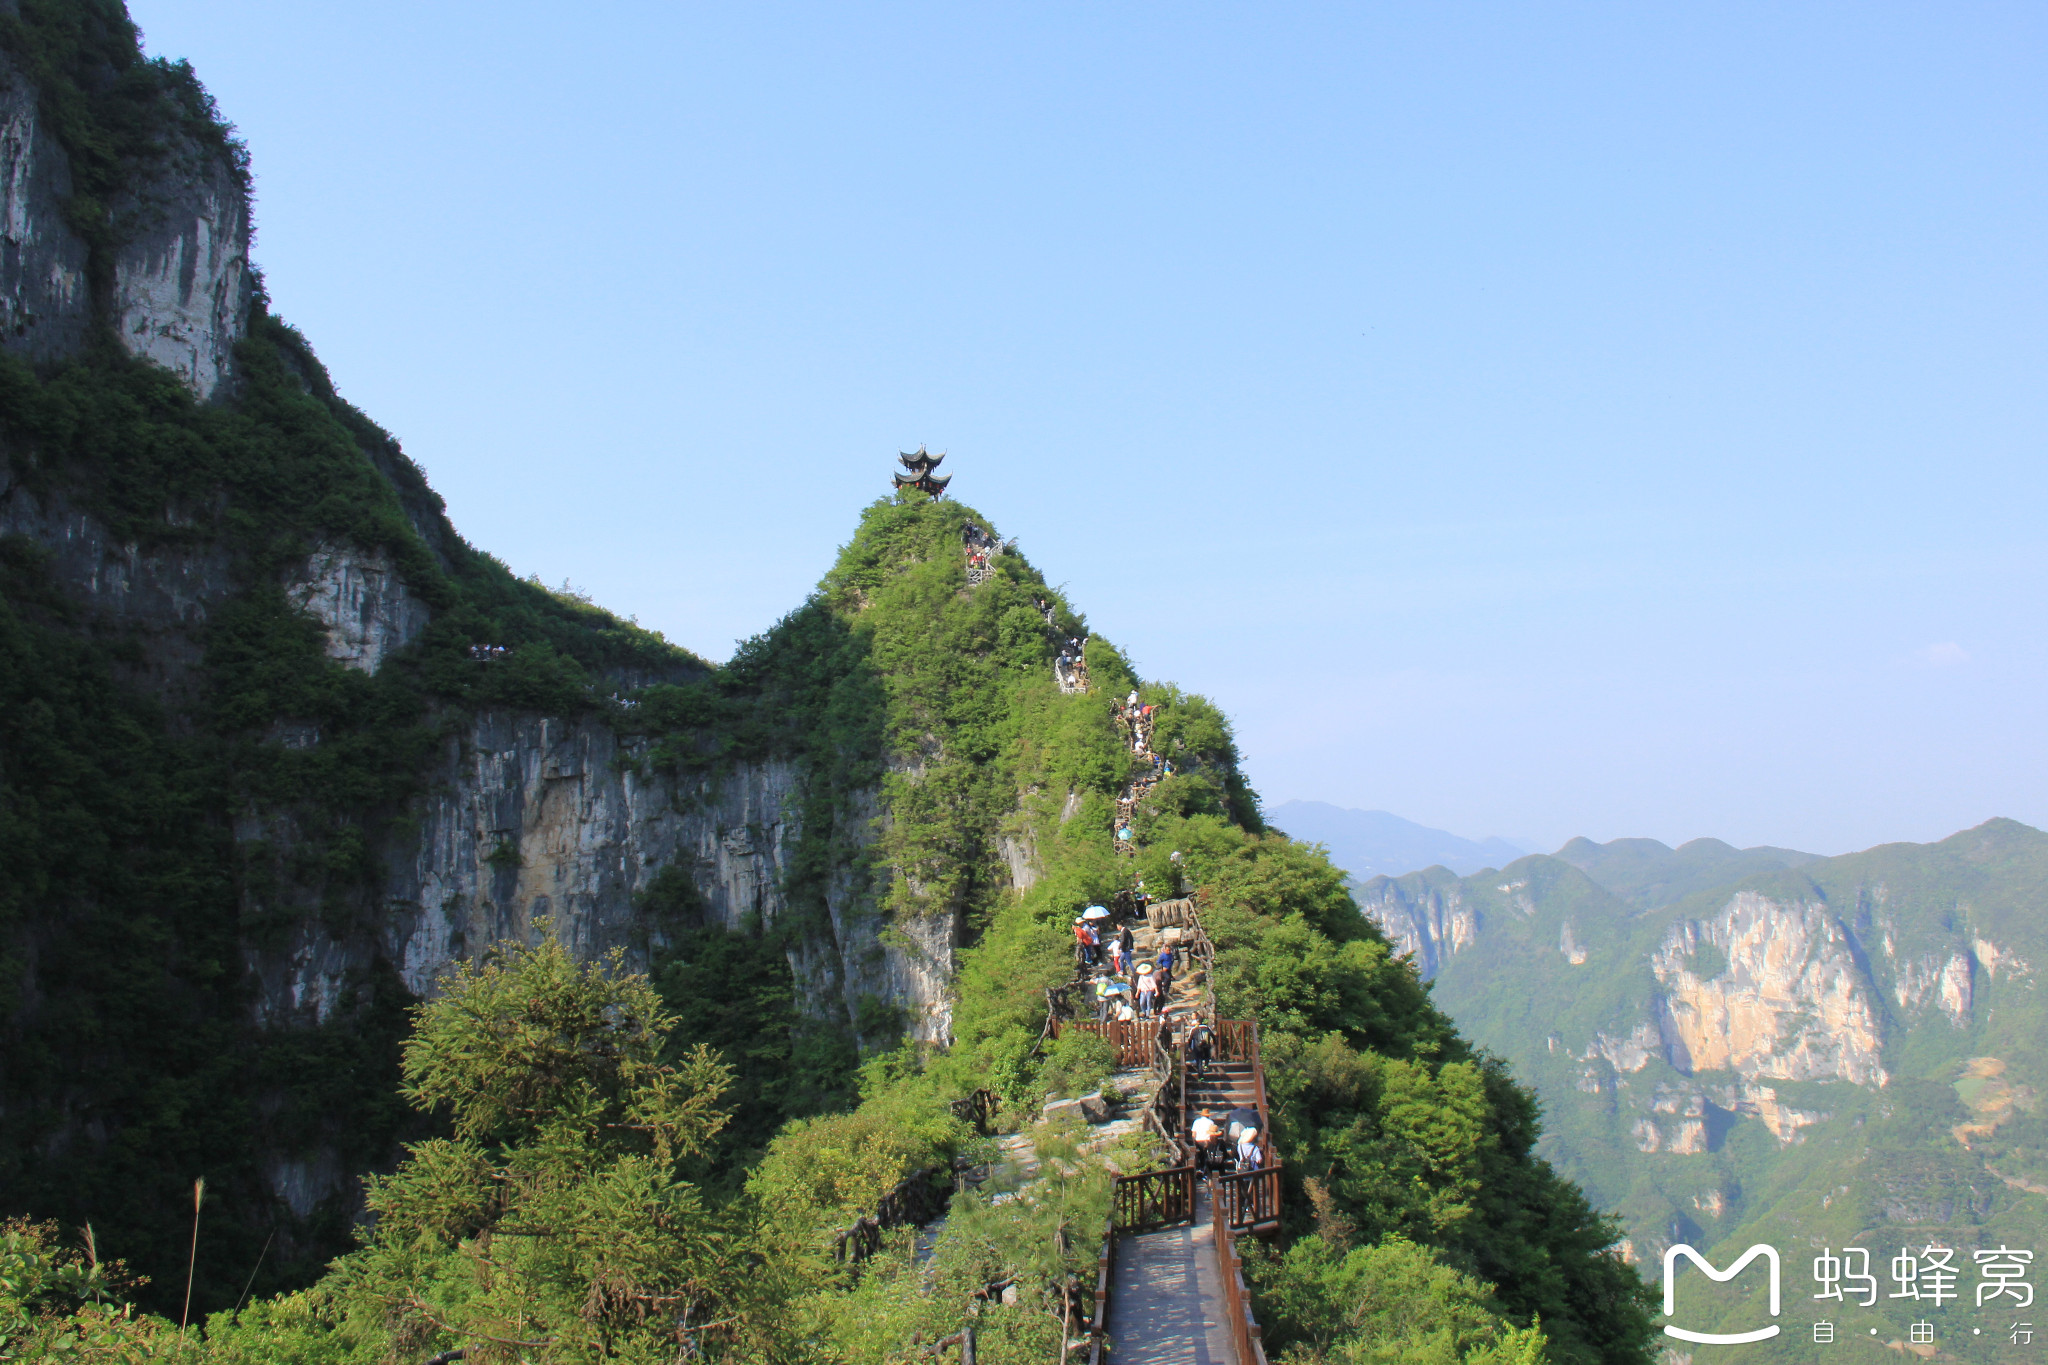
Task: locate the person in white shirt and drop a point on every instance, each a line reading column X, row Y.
column 1205, row 1132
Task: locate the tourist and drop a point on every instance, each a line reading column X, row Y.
column 1198, row 1049
column 1147, row 992
column 1248, row 1158
column 1084, row 937
column 1205, row 1132
column 1116, row 956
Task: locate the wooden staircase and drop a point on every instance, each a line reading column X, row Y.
column 1170, row 1284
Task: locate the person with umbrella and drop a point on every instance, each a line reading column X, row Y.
column 1243, row 1126
column 1096, row 921
column 1084, row 936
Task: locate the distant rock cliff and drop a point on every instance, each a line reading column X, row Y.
column 1820, row 1000
column 1782, row 997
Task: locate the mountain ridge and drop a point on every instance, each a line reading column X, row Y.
column 1842, row 1050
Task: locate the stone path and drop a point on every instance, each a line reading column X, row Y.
column 1166, row 1300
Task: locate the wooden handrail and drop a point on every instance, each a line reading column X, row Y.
column 1155, row 1199
column 1249, row 1201
column 1245, row 1336
column 1105, row 1276
column 1133, row 1040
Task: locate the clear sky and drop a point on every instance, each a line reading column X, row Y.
column 1539, row 420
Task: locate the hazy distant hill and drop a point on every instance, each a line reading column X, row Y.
column 1847, row 1049
column 1372, row 843
column 1648, row 874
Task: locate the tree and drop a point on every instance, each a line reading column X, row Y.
column 552, row 1224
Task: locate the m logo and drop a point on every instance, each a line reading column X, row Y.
column 1720, row 1277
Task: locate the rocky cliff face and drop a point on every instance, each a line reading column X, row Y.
column 45, row 302
column 1747, row 989
column 527, row 817
column 159, row 596
column 1428, row 923
column 359, row 597
column 1782, row 996
column 182, row 285
column 179, row 283
column 540, row 819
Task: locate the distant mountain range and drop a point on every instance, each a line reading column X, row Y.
column 1648, row 874
column 1736, row 1046
column 1373, row 843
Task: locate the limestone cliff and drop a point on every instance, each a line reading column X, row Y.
column 177, row 283
column 1782, row 998
column 534, row 818
column 1426, row 916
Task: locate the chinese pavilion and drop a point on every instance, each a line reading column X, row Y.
column 921, row 476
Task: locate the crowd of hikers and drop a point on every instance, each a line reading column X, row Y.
column 1071, row 667
column 1126, row 987
column 981, row 548
column 1129, row 988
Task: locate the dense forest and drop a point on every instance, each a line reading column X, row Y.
column 635, row 1154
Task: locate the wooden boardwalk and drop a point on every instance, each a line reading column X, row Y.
column 1167, row 1298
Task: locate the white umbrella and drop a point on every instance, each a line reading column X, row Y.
column 1095, row 912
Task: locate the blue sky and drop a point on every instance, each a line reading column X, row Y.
column 1536, row 420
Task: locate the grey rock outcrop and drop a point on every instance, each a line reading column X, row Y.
column 537, row 819
column 1429, row 923
column 45, row 304
column 160, row 596
column 182, row 285
column 360, row 598
column 180, row 280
